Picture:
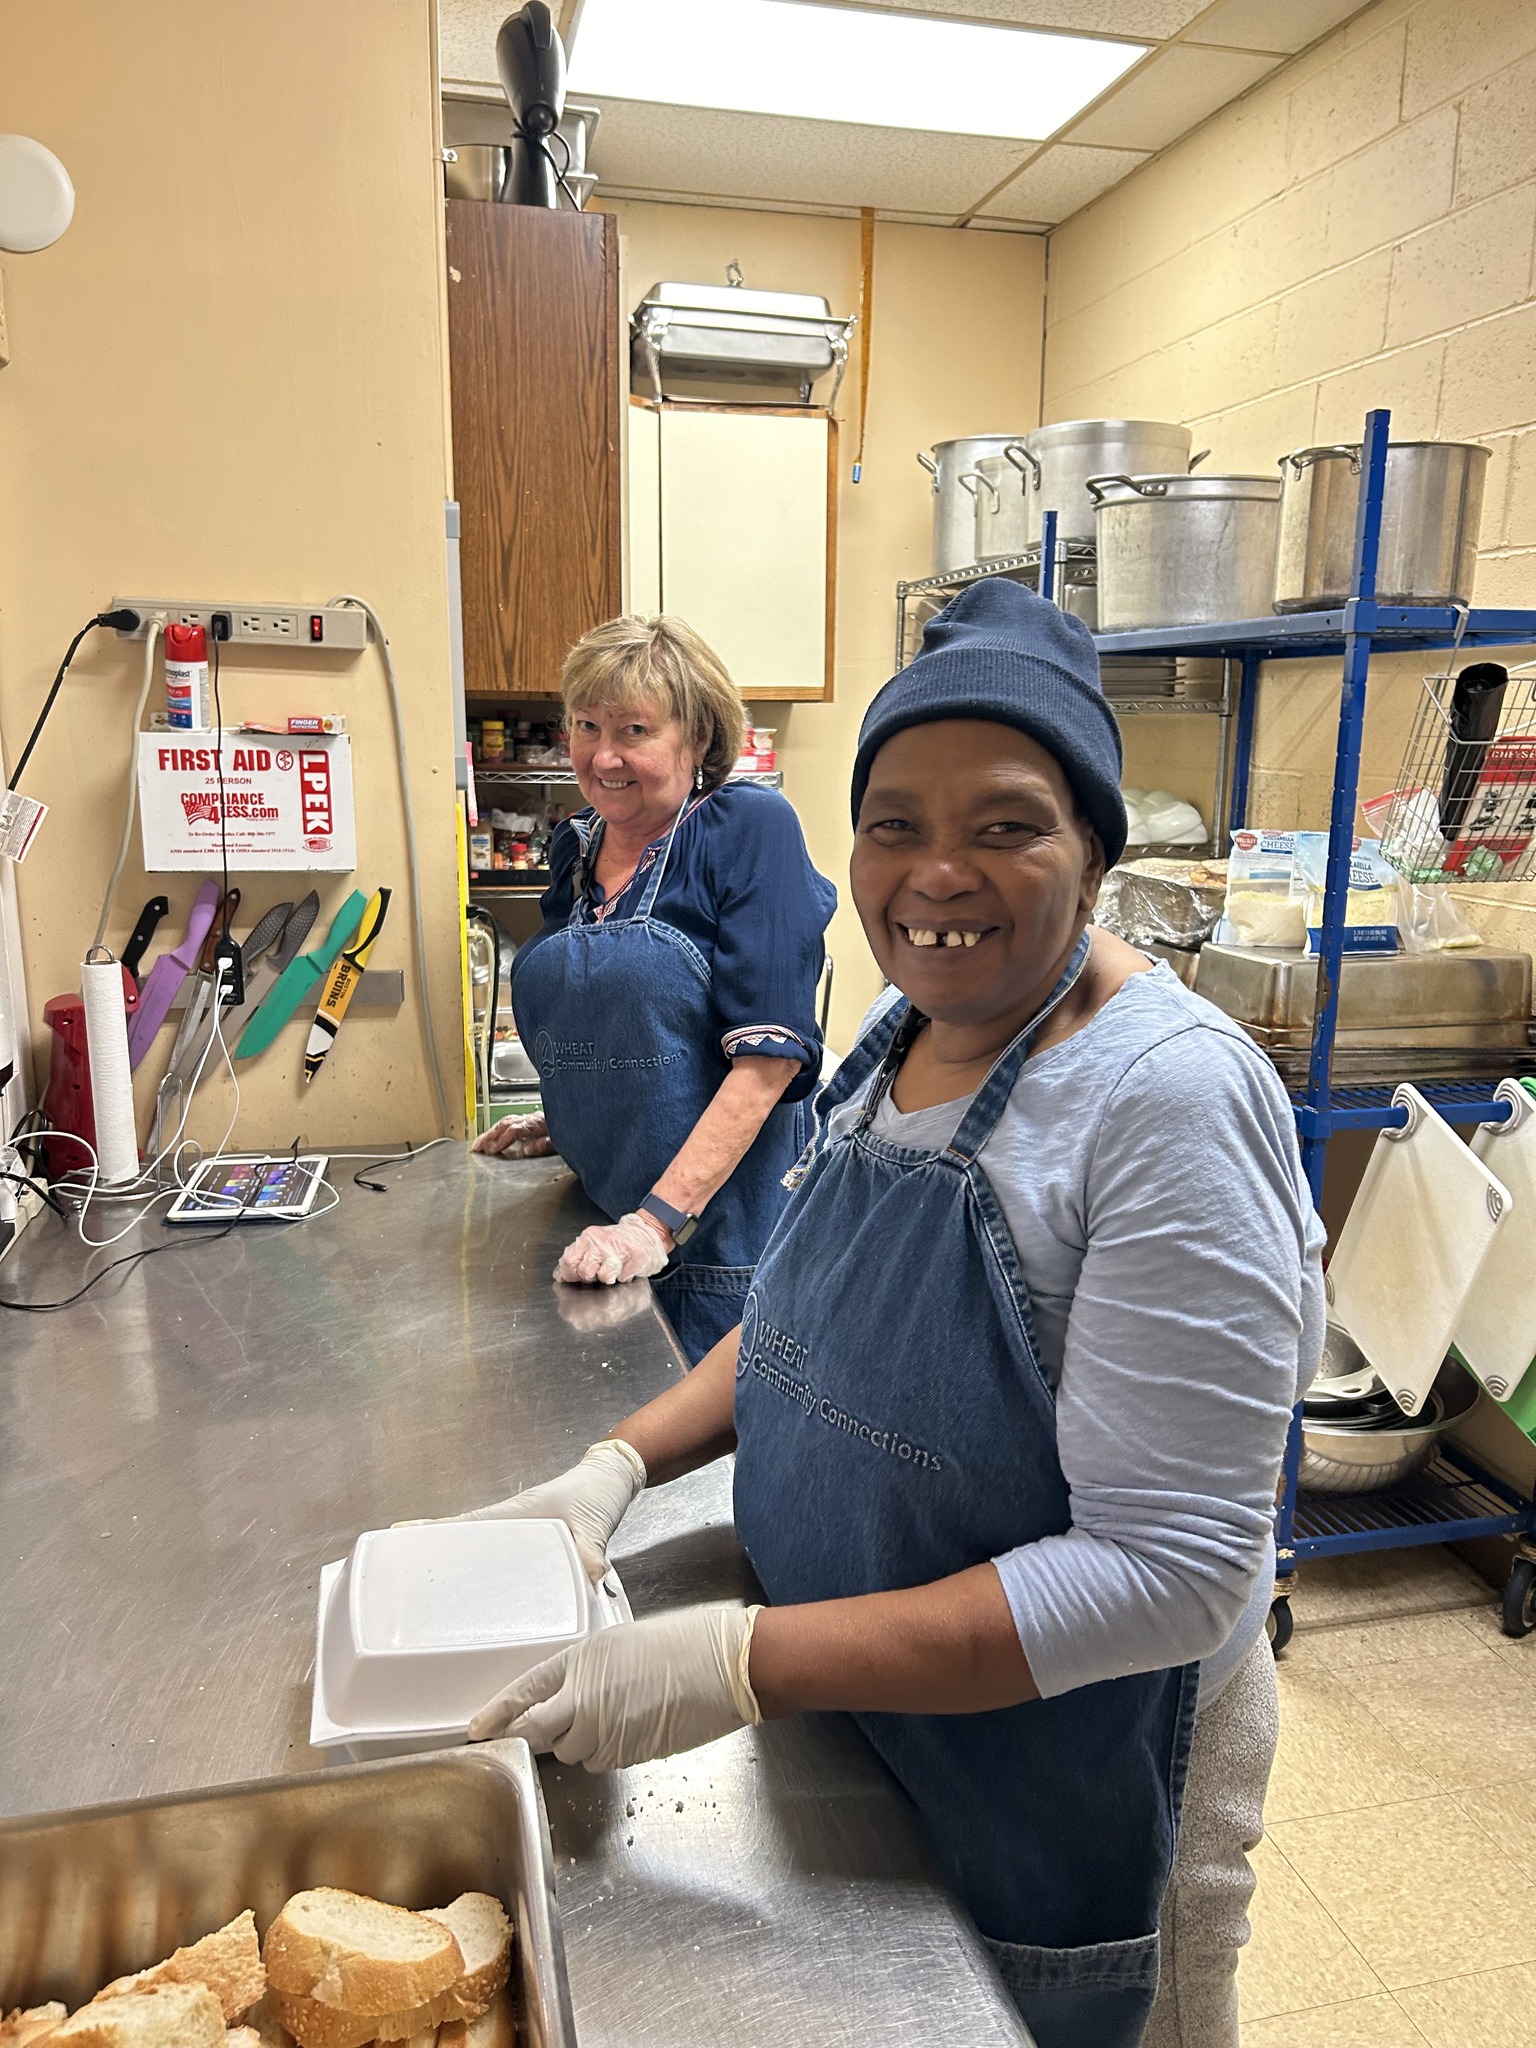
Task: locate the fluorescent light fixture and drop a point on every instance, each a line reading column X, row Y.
column 883, row 70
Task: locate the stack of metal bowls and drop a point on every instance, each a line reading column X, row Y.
column 1355, row 1438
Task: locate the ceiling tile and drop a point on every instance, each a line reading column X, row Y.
column 1057, row 183
column 1139, row 20
column 1173, row 90
column 1262, row 25
column 466, row 40
column 640, row 148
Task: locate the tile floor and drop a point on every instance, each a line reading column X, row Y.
column 1397, row 1886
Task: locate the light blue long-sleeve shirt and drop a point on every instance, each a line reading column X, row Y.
column 1149, row 1173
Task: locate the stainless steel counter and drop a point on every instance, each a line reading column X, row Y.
column 182, row 1451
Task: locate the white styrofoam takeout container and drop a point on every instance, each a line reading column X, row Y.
column 421, row 1625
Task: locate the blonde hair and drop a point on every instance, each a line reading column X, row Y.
column 660, row 661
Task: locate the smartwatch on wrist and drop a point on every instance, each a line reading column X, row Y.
column 678, row 1221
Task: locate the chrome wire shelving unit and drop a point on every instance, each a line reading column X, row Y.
column 530, row 776
column 1454, row 1499
column 1153, row 684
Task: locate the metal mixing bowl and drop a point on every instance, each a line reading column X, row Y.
column 1338, row 1459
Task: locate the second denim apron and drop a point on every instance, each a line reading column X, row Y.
column 620, row 1024
column 894, row 1427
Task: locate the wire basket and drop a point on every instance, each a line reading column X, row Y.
column 1464, row 809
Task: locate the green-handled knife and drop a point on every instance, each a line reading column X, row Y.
column 300, row 980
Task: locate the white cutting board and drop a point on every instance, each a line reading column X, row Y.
column 1421, row 1226
column 1497, row 1332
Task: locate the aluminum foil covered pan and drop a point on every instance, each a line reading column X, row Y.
column 1167, row 902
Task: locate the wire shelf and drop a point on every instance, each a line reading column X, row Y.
column 1450, row 1499
column 1464, row 809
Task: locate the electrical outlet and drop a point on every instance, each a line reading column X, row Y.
column 321, row 628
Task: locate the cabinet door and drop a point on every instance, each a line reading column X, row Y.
column 745, row 542
column 533, row 341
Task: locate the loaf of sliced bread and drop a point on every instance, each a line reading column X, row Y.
column 359, row 1955
column 20, row 2029
column 480, row 1926
column 228, row 1961
column 493, row 2029
column 242, row 2037
column 162, row 2016
column 315, row 2024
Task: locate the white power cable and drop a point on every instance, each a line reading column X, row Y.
column 428, row 1028
column 157, row 621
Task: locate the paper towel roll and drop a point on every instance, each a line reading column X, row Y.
column 106, row 1038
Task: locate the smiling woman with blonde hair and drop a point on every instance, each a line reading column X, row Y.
column 668, row 999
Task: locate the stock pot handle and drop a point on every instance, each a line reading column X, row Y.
column 1143, row 486
column 1303, row 458
column 1196, row 460
column 969, row 478
column 1014, row 450
column 930, row 465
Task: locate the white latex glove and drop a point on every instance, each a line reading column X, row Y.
column 606, row 1253
column 591, row 1499
column 517, row 1137
column 640, row 1690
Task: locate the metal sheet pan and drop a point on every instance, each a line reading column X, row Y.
column 1263, row 985
column 88, row 1895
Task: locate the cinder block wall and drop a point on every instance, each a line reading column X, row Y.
column 1357, row 231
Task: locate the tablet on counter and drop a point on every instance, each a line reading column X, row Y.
column 258, row 1189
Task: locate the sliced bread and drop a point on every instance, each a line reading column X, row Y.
column 163, row 2016
column 359, row 1955
column 480, row 1926
column 242, row 2037
column 20, row 2029
column 228, row 1961
column 493, row 2029
column 317, row 2025
column 268, row 2029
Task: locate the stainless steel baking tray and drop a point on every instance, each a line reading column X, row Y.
column 89, row 1895
column 1394, row 999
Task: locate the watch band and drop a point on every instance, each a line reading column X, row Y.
column 681, row 1224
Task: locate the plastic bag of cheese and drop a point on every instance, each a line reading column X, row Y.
column 1260, row 909
column 1370, row 901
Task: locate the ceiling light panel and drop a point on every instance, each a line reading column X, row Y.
column 841, row 64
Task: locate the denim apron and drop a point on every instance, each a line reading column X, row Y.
column 894, row 1427
column 619, row 1021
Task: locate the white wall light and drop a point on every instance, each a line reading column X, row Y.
column 841, row 64
column 37, row 200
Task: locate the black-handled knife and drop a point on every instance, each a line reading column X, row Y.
column 156, row 908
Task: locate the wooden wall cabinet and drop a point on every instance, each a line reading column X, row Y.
column 732, row 526
column 533, row 332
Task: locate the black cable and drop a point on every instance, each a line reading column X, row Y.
column 123, row 620
column 41, row 1189
column 218, row 762
column 46, row 1308
column 404, row 1158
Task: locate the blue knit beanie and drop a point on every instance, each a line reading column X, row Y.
column 999, row 652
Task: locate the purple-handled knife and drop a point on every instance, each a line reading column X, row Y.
column 168, row 973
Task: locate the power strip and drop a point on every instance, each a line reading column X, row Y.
column 18, row 1206
column 333, row 628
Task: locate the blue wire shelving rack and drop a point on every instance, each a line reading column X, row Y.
column 1454, row 1499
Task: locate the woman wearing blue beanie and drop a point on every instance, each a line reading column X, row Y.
column 1011, row 1392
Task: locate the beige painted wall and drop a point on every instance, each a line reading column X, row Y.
column 227, row 381
column 956, row 351
column 1358, row 231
